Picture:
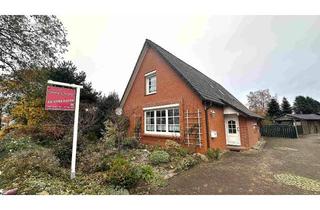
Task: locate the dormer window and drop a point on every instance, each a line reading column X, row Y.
column 151, row 83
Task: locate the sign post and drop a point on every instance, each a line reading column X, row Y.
column 75, row 135
column 63, row 99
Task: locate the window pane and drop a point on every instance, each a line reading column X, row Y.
column 232, row 126
column 150, row 120
column 170, row 112
column 151, row 81
column 150, row 127
column 174, row 128
column 159, row 122
column 174, row 124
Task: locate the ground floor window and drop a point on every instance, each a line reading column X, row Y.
column 162, row 121
column 232, row 127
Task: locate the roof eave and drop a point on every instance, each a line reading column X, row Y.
column 224, row 104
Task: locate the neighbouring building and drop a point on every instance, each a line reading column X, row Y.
column 306, row 123
column 166, row 98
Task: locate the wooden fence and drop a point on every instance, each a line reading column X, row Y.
column 283, row 131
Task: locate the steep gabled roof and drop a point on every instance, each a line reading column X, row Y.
column 206, row 88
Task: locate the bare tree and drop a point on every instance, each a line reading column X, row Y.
column 258, row 101
column 26, row 41
column 60, row 123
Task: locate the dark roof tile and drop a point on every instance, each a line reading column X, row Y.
column 305, row 116
column 207, row 89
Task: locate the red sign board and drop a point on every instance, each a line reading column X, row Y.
column 59, row 98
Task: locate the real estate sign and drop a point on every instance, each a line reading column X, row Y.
column 66, row 99
column 59, row 98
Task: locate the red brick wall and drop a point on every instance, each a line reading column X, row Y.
column 170, row 89
column 216, row 123
column 249, row 133
column 253, row 131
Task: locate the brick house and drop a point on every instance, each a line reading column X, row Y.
column 166, row 98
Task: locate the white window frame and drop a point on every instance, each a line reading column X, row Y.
column 154, row 109
column 147, row 77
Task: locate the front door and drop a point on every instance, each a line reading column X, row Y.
column 232, row 130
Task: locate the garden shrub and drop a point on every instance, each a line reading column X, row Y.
column 183, row 152
column 122, row 173
column 91, row 137
column 170, row 144
column 146, row 173
column 27, row 162
column 187, row 163
column 159, row 156
column 175, row 149
column 43, row 139
column 90, row 162
column 105, row 164
column 54, row 185
column 210, row 153
column 157, row 180
column 116, row 130
column 94, row 157
column 40, row 183
column 130, row 143
column 214, row 154
column 11, row 145
column 63, row 150
column 151, row 176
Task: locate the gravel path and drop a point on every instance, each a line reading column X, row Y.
column 283, row 166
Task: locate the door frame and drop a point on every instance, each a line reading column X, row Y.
column 236, row 137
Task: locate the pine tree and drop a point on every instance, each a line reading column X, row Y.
column 273, row 109
column 306, row 105
column 286, row 107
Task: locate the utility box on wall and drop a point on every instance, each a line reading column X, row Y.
column 214, row 134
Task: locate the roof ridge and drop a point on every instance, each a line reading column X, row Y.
column 207, row 88
column 158, row 46
column 148, row 40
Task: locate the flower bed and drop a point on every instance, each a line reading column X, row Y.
column 33, row 168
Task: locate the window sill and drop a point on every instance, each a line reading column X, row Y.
column 148, row 94
column 164, row 135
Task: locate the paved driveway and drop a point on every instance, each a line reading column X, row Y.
column 283, row 166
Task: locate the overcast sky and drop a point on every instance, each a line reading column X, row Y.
column 242, row 53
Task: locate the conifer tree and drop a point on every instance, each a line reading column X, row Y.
column 286, row 107
column 273, row 109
